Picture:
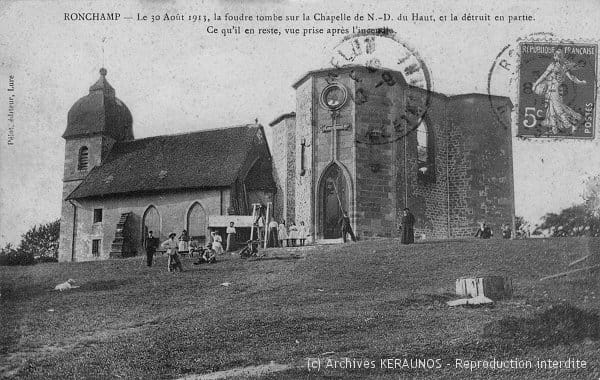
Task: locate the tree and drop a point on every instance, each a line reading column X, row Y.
column 591, row 194
column 573, row 221
column 42, row 241
column 39, row 243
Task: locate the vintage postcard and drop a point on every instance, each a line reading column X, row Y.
column 294, row 189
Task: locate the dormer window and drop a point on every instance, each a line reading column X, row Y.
column 83, row 158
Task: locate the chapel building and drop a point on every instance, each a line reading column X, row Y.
column 358, row 146
column 355, row 143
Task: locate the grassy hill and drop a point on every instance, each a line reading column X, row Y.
column 366, row 301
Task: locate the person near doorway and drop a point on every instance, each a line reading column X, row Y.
column 230, row 237
column 302, row 233
column 151, row 244
column 282, row 233
column 173, row 260
column 408, row 227
column 346, row 227
column 261, row 224
column 292, row 234
column 273, row 239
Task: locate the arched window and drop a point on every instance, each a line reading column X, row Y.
column 151, row 222
column 196, row 223
column 83, row 159
column 425, row 156
column 422, row 143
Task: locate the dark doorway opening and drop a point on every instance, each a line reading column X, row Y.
column 333, row 202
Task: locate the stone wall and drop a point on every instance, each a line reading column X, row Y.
column 482, row 173
column 98, row 147
column 470, row 168
column 322, row 154
column 428, row 192
column 303, row 200
column 377, row 170
column 283, row 151
column 173, row 209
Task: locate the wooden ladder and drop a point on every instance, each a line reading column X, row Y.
column 121, row 235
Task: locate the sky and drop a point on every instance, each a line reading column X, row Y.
column 176, row 77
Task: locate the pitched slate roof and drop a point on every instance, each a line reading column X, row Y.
column 203, row 159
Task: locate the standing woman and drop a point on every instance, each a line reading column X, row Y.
column 293, row 233
column 302, row 233
column 230, row 236
column 183, row 241
column 217, row 245
column 171, row 246
column 273, row 239
column 408, row 227
column 282, row 234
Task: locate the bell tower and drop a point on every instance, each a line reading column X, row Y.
column 94, row 124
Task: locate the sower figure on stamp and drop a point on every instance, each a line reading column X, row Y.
column 151, row 244
column 408, row 230
column 551, row 84
column 346, row 227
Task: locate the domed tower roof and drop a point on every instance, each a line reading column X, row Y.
column 100, row 112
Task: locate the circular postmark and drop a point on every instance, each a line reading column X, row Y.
column 552, row 84
column 377, row 63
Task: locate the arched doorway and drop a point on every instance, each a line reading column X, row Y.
column 151, row 222
column 333, row 201
column 196, row 223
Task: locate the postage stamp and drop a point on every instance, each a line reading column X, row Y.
column 557, row 89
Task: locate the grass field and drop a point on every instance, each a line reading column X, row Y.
column 368, row 300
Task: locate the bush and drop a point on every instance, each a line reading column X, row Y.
column 15, row 256
column 45, row 259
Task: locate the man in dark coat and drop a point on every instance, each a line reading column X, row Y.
column 408, row 230
column 151, row 245
column 346, row 227
column 484, row 232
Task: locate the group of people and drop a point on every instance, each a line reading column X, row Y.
column 407, row 227
column 485, row 231
column 174, row 246
column 281, row 235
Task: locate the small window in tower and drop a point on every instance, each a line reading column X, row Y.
column 97, row 215
column 83, row 160
column 96, row 247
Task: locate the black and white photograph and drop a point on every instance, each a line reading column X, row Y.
column 288, row 189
